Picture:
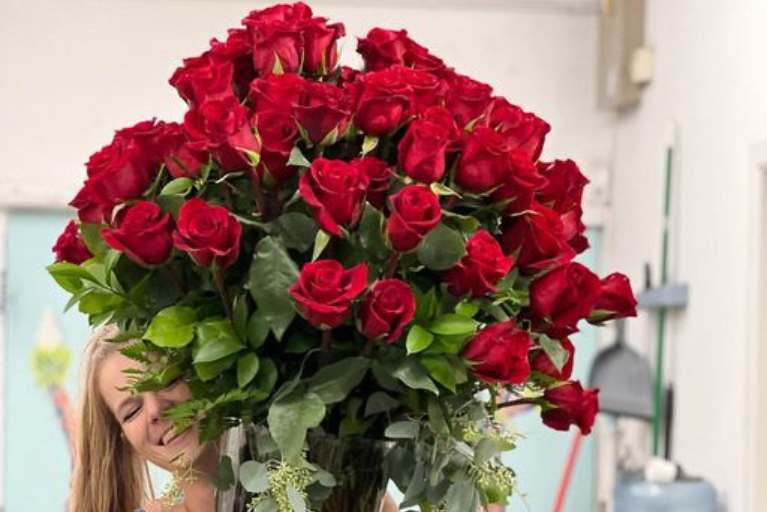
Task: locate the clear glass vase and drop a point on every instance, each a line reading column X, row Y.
column 357, row 465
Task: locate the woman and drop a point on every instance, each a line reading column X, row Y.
column 120, row 432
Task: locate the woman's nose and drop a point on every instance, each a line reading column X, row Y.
column 154, row 405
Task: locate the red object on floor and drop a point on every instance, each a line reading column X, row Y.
column 567, row 473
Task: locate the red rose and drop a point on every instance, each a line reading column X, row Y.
column 542, row 363
column 564, row 296
column 70, row 246
column 523, row 131
column 536, row 239
column 320, row 48
column 90, row 206
column 323, row 108
column 573, row 230
column 185, row 162
column 421, row 152
column 277, row 37
column 481, row 269
column 467, row 98
column 278, row 134
column 335, row 190
column 564, row 186
column 383, row 48
column 325, row 290
column 237, row 49
column 222, row 127
column 208, row 233
column 384, row 100
column 483, row 162
column 277, row 93
column 499, row 353
column 616, row 299
column 415, row 210
column 386, row 310
column 379, row 175
column 143, row 232
column 572, row 405
column 521, row 180
column 203, row 78
column 428, row 89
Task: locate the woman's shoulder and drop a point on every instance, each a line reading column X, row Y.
column 156, row 506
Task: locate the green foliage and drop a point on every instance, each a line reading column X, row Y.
column 272, row 273
column 442, row 248
column 290, row 417
column 172, row 327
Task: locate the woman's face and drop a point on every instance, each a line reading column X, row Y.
column 141, row 415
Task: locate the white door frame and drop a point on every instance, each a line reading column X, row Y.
column 755, row 428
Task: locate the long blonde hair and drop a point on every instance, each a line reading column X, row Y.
column 108, row 475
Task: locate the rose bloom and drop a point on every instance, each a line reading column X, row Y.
column 325, row 290
column 480, row 270
column 616, row 298
column 335, row 190
column 323, row 108
column 383, row 100
column 70, row 246
column 537, row 240
column 207, row 233
column 383, row 48
column 379, row 175
column 520, row 182
column 143, row 232
column 467, row 98
column 522, row 130
column 563, row 297
column 483, row 161
column 422, row 151
column 499, row 353
column 572, row 406
column 415, row 211
column 386, row 310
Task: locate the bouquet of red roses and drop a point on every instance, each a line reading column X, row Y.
column 358, row 255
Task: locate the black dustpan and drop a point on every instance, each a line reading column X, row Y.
column 624, row 379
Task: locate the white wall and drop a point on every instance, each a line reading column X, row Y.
column 711, row 82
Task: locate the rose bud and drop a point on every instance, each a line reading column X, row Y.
column 483, row 161
column 541, row 362
column 143, row 232
column 320, row 48
column 571, row 405
column 323, row 108
column 278, row 135
column 536, row 239
column 277, row 37
column 335, row 190
column 480, row 270
column 383, row 48
column 70, row 246
column 91, row 206
column 379, row 175
column 278, row 94
column 421, row 152
column 499, row 353
column 384, row 100
column 202, row 78
column 208, row 233
column 325, row 290
column 467, row 98
column 564, row 186
column 616, row 299
column 415, row 211
column 521, row 180
column 524, row 131
column 563, row 297
column 386, row 310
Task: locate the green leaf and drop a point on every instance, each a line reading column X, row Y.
column 320, row 242
column 442, row 248
column 240, row 316
column 98, row 302
column 412, row 374
column 466, row 223
column 437, row 419
column 443, row 190
column 272, row 273
column 554, row 349
column 172, row 327
column 426, row 305
column 297, row 502
column 69, row 274
column 297, row 230
column 277, row 68
column 334, row 382
column 467, row 308
column 266, row 377
column 452, row 324
column 290, row 417
column 267, row 505
column 380, row 402
column 384, row 377
column 217, row 340
column 440, row 370
column 258, row 329
column 171, row 204
column 485, row 450
column 224, row 477
column 178, row 186
column 254, row 477
column 209, row 371
column 402, row 430
column 462, row 496
column 418, row 339
column 369, row 144
column 297, row 158
column 371, row 233
column 247, row 368
column 325, row 478
column 91, row 234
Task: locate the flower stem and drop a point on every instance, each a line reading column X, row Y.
column 391, row 264
column 218, row 280
column 519, row 401
column 260, row 197
column 327, row 340
column 369, row 347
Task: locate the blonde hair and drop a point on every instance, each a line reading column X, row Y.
column 108, row 475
